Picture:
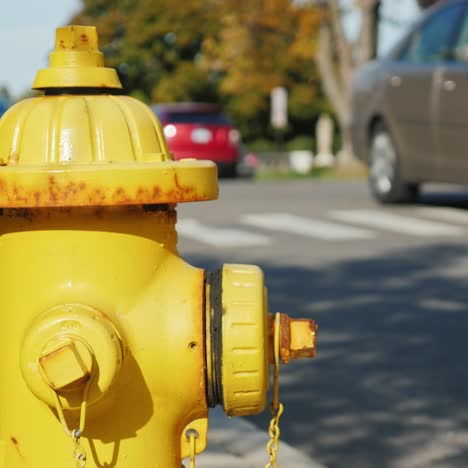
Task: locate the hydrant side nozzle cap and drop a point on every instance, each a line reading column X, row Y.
column 76, row 62
column 245, row 373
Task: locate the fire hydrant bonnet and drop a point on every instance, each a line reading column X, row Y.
column 71, row 147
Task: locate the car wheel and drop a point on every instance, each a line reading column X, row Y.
column 385, row 180
column 228, row 171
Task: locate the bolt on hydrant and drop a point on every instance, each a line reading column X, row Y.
column 113, row 347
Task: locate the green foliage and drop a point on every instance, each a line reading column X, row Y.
column 301, row 142
column 316, row 173
column 262, row 145
column 227, row 51
column 186, row 83
column 337, row 141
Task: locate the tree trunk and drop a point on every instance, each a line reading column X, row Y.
column 332, row 84
column 337, row 59
column 337, row 91
column 368, row 38
column 426, row 3
column 346, row 156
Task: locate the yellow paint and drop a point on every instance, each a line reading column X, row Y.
column 200, row 426
column 97, row 351
column 88, row 150
column 91, row 283
column 301, row 335
column 245, row 340
column 123, row 263
column 66, row 363
column 95, row 301
column 77, row 62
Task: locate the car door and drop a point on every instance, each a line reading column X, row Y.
column 451, row 89
column 410, row 97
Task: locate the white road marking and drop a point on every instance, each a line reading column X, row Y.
column 219, row 237
column 454, row 215
column 324, row 230
column 397, row 223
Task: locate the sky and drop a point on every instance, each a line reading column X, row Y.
column 27, row 32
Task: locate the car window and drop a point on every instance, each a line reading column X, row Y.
column 460, row 50
column 433, row 41
column 3, row 108
column 207, row 118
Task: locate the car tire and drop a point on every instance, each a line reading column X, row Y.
column 228, row 171
column 385, row 181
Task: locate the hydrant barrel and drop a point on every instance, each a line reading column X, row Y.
column 113, row 347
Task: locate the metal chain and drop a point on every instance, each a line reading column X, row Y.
column 274, row 432
column 276, row 406
column 276, row 409
column 79, row 453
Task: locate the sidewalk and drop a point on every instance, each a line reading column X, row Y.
column 237, row 443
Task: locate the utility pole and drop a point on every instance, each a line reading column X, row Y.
column 375, row 14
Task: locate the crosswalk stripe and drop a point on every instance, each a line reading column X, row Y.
column 219, row 237
column 324, row 230
column 397, row 223
column 454, row 215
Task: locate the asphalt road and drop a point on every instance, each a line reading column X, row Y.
column 388, row 288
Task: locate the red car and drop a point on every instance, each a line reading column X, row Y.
column 201, row 131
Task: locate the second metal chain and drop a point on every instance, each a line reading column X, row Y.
column 79, row 453
column 276, row 407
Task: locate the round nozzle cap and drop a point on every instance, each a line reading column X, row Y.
column 76, row 62
column 244, row 363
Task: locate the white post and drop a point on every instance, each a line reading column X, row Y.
column 324, row 134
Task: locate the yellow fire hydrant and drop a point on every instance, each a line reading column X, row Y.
column 108, row 336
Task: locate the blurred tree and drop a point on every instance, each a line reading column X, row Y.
column 338, row 57
column 227, row 51
column 151, row 41
column 263, row 44
column 5, row 99
column 5, row 94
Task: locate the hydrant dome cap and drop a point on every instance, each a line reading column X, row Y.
column 81, row 145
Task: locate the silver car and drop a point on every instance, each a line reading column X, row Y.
column 410, row 109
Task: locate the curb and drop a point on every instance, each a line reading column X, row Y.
column 237, row 443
